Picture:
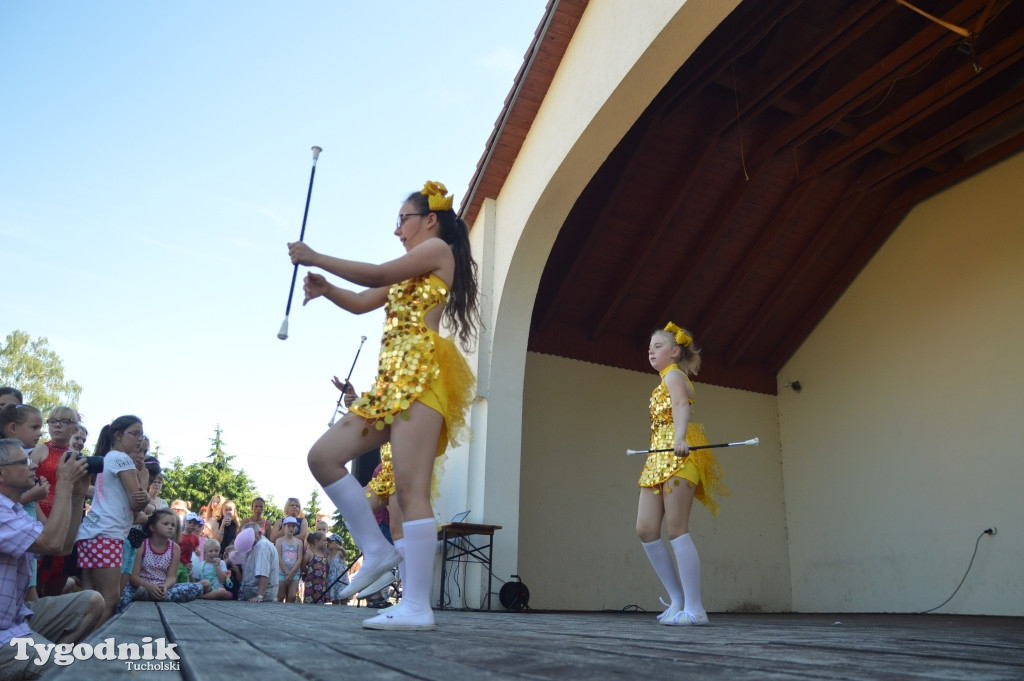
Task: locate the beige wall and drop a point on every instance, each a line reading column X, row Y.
column 578, row 548
column 897, row 453
column 596, row 96
column 905, row 442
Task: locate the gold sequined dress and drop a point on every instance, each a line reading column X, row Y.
column 417, row 364
column 383, row 484
column 700, row 467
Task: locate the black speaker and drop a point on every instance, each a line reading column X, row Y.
column 514, row 595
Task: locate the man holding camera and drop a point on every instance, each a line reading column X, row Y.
column 68, row 618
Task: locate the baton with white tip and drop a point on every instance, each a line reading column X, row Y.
column 283, row 332
column 362, row 339
column 752, row 443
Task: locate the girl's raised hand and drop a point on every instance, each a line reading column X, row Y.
column 301, row 254
column 314, row 286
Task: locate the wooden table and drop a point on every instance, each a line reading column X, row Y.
column 456, row 546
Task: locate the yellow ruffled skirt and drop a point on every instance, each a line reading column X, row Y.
column 700, row 467
column 450, row 393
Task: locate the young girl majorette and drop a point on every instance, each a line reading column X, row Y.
column 155, row 571
column 422, row 390
column 671, row 480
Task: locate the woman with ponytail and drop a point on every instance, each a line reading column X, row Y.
column 422, row 390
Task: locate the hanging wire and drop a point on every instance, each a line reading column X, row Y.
column 978, row 541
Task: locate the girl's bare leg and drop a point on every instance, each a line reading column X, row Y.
column 395, row 519
column 649, row 513
column 347, row 439
column 413, row 446
column 677, row 514
column 106, row 581
column 677, row 506
column 343, row 442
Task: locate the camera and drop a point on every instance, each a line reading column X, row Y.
column 93, row 464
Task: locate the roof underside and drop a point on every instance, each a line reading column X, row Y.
column 768, row 171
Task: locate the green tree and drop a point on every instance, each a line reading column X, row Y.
column 312, row 508
column 351, row 549
column 37, row 371
column 197, row 482
column 271, row 510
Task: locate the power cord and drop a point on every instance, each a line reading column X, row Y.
column 989, row 531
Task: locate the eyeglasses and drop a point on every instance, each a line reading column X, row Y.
column 402, row 217
column 134, row 433
column 61, row 422
column 15, row 463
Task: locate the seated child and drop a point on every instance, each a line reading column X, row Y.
column 190, row 538
column 212, row 570
column 155, row 570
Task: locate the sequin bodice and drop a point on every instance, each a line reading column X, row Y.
column 663, row 432
column 408, row 355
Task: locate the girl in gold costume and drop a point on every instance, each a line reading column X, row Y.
column 671, row 480
column 422, row 390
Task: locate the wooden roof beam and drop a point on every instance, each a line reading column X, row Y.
column 779, row 295
column 961, row 81
column 654, row 236
column 859, row 19
column 830, row 293
column 544, row 307
column 707, row 238
column 738, row 42
column 911, row 56
column 982, row 119
column 708, row 317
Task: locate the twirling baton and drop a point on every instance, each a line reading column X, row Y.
column 362, row 339
column 753, row 443
column 283, row 333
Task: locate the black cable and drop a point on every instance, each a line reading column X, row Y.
column 969, row 565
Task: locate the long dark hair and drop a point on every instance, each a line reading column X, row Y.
column 105, row 440
column 461, row 313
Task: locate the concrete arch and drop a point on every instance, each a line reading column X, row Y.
column 596, row 96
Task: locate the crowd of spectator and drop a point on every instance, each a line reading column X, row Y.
column 82, row 537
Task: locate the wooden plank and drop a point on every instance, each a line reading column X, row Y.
column 223, row 639
column 140, row 620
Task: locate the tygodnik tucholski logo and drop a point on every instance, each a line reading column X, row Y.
column 152, row 654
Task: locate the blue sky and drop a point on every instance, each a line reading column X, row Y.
column 154, row 161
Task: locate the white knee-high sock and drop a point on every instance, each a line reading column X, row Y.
column 662, row 563
column 400, row 547
column 689, row 572
column 420, row 546
column 350, row 499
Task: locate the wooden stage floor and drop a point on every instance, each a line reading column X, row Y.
column 227, row 640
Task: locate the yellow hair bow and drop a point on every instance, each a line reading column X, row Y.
column 435, row 193
column 682, row 338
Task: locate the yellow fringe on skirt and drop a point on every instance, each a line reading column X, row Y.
column 660, row 467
